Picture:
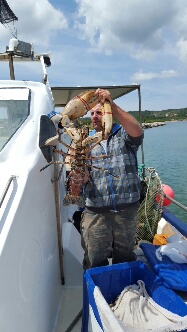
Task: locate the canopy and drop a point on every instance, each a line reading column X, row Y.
column 62, row 95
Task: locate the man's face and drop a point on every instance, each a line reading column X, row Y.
column 96, row 117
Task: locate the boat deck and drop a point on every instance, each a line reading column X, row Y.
column 71, row 305
column 72, row 302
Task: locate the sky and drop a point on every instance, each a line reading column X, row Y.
column 107, row 42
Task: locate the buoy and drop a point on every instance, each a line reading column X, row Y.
column 169, row 192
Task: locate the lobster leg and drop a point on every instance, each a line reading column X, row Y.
column 53, row 162
column 93, row 146
column 64, row 154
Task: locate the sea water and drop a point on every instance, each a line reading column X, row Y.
column 165, row 149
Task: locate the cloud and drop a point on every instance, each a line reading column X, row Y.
column 133, row 27
column 182, row 49
column 106, row 42
column 37, row 21
column 139, row 29
column 141, row 76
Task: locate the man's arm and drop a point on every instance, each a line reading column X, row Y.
column 129, row 123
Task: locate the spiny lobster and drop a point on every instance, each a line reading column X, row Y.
column 78, row 160
column 81, row 144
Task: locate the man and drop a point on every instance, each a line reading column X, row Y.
column 112, row 196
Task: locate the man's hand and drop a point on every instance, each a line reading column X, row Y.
column 103, row 95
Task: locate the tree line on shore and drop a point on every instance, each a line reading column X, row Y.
column 151, row 116
column 161, row 116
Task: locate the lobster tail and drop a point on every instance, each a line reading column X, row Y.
column 78, row 200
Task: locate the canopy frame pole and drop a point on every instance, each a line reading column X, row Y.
column 140, row 120
column 11, row 67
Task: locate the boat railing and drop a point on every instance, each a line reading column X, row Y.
column 176, row 202
column 12, row 177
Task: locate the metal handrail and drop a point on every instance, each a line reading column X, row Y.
column 176, row 203
column 6, row 189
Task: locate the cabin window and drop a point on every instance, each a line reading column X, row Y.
column 14, row 109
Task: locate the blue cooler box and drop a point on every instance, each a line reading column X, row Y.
column 112, row 280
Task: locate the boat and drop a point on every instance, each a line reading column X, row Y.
column 41, row 278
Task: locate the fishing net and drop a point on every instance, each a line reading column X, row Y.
column 150, row 210
column 6, row 14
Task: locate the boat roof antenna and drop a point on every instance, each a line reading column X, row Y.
column 7, row 16
column 20, row 50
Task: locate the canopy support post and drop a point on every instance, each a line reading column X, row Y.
column 11, row 67
column 140, row 117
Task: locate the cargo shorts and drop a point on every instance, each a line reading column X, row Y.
column 109, row 234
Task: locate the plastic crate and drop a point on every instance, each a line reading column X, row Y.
column 113, row 279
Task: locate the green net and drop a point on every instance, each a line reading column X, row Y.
column 150, row 210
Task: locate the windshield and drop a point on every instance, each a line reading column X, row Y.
column 14, row 109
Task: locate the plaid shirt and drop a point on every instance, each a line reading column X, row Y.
column 105, row 188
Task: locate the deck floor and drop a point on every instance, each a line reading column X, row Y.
column 71, row 305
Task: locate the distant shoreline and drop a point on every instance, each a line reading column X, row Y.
column 152, row 124
column 147, row 125
column 176, row 120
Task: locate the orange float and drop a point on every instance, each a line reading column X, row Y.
column 169, row 192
